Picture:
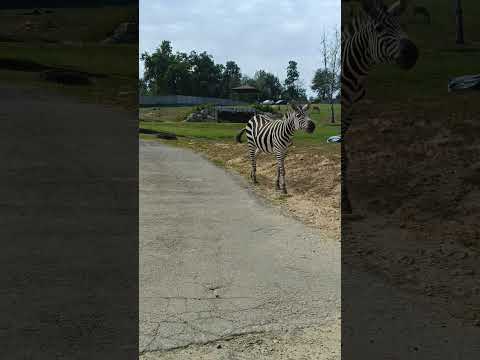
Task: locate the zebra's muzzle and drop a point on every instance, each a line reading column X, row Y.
column 310, row 127
column 408, row 54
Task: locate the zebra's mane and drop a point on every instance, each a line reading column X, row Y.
column 287, row 116
column 358, row 22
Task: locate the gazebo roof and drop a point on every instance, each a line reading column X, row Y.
column 245, row 89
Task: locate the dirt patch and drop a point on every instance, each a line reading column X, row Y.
column 416, row 180
column 312, row 177
column 309, row 343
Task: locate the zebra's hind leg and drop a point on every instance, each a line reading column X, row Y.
column 277, row 183
column 253, row 160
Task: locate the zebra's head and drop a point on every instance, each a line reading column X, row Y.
column 389, row 43
column 301, row 118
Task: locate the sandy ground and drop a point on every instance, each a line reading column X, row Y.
column 416, row 180
column 312, row 177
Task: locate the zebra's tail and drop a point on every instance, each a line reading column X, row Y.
column 238, row 137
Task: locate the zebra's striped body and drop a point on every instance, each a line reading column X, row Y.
column 270, row 135
column 377, row 38
column 274, row 136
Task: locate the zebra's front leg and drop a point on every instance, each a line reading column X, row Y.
column 277, row 184
column 253, row 160
column 281, row 172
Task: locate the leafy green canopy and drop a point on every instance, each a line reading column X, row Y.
column 196, row 74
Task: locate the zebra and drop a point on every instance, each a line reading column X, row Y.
column 274, row 136
column 377, row 38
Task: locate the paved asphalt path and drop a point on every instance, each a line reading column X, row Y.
column 216, row 262
column 68, row 198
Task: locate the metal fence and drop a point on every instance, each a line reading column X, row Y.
column 179, row 100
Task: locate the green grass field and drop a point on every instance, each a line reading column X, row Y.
column 73, row 44
column 439, row 59
column 165, row 113
column 64, row 24
column 169, row 121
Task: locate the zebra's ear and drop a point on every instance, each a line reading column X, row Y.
column 306, row 106
column 398, row 7
column 294, row 106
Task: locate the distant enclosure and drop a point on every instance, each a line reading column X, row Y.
column 234, row 114
column 181, row 100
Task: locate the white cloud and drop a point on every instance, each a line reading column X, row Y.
column 256, row 34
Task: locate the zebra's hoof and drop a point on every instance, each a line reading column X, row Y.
column 284, row 192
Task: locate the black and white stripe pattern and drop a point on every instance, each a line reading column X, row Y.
column 274, row 136
column 376, row 38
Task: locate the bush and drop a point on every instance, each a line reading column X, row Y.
column 264, row 108
column 209, row 107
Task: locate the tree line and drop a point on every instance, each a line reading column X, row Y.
column 197, row 74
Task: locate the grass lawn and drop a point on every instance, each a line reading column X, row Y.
column 439, row 57
column 165, row 113
column 91, row 57
column 167, row 119
column 74, row 44
column 64, row 24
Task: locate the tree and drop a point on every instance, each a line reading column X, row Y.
column 327, row 79
column 247, row 80
column 292, row 73
column 231, row 77
column 291, row 91
column 178, row 77
column 320, row 83
column 186, row 74
column 268, row 85
column 197, row 74
column 206, row 76
column 142, row 87
column 301, row 92
column 294, row 90
column 156, row 66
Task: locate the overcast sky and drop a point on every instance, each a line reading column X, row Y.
column 256, row 34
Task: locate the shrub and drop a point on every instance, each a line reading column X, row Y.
column 209, row 107
column 264, row 108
